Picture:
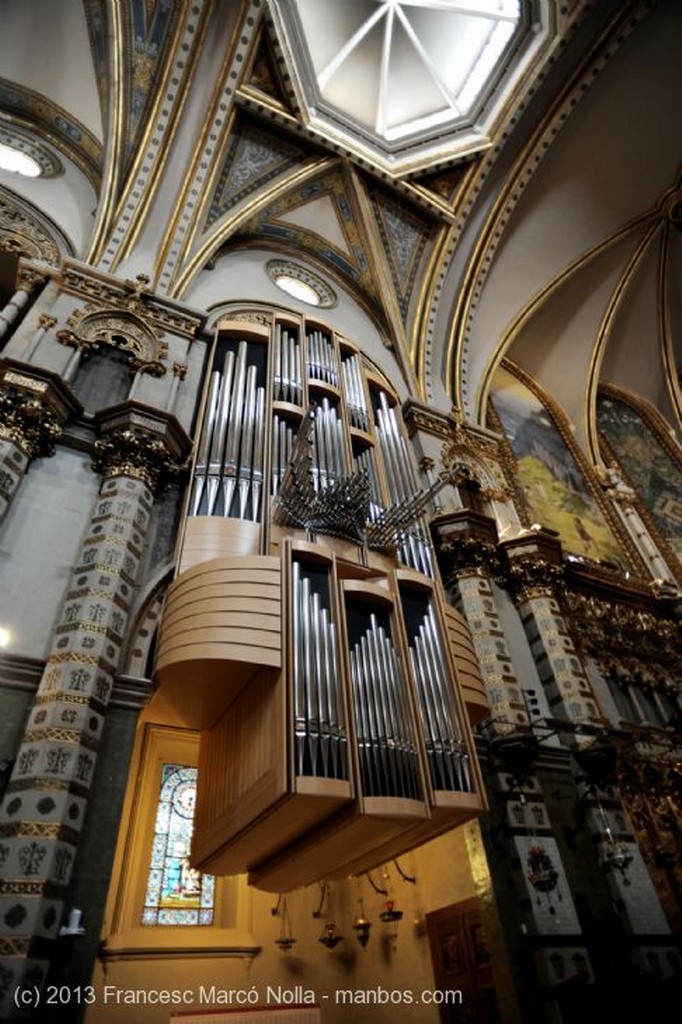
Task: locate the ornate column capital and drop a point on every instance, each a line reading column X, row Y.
column 140, row 442
column 534, row 564
column 29, row 278
column 34, row 406
column 466, row 544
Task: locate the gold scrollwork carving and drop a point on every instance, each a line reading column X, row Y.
column 126, row 452
column 528, row 578
column 463, row 556
column 26, row 420
column 93, row 326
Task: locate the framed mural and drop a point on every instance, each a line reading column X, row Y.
column 548, row 474
column 645, row 454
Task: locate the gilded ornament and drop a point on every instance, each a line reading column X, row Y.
column 26, row 420
column 126, row 452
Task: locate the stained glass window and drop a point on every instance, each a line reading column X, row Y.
column 176, row 893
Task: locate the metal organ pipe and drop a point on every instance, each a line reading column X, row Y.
column 446, row 751
column 231, row 450
column 318, row 703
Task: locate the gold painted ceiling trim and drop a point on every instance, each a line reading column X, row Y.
column 225, row 228
column 208, row 127
column 436, row 273
column 381, row 272
column 540, row 297
column 517, row 179
column 272, row 111
column 114, row 150
column 665, row 288
column 425, row 304
column 603, row 335
column 160, row 160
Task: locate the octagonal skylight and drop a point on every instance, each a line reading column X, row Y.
column 407, row 80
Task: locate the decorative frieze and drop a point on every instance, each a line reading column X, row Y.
column 132, row 298
column 22, row 233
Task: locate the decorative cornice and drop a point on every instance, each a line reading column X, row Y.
column 140, row 442
column 131, row 297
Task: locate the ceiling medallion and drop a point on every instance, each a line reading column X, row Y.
column 301, row 283
column 411, row 83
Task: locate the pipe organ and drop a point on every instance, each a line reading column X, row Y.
column 306, row 633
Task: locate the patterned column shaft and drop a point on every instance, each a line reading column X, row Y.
column 643, row 541
column 28, row 280
column 559, row 665
column 634, row 895
column 546, row 906
column 13, row 464
column 623, row 499
column 42, row 813
column 477, row 604
column 45, row 323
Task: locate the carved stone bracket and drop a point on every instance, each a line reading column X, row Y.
column 143, row 443
column 34, row 406
column 28, row 278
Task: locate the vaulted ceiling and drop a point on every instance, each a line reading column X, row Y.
column 193, row 139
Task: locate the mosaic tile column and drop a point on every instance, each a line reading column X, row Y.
column 469, row 561
column 467, row 555
column 34, row 406
column 534, row 577
column 599, row 771
column 41, row 818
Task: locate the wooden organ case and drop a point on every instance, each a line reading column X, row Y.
column 306, row 633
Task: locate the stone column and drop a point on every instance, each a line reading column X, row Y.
column 602, row 775
column 469, row 562
column 45, row 323
column 42, row 814
column 535, row 577
column 467, row 554
column 34, row 406
column 28, row 280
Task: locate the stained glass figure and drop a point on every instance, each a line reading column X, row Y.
column 176, row 894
